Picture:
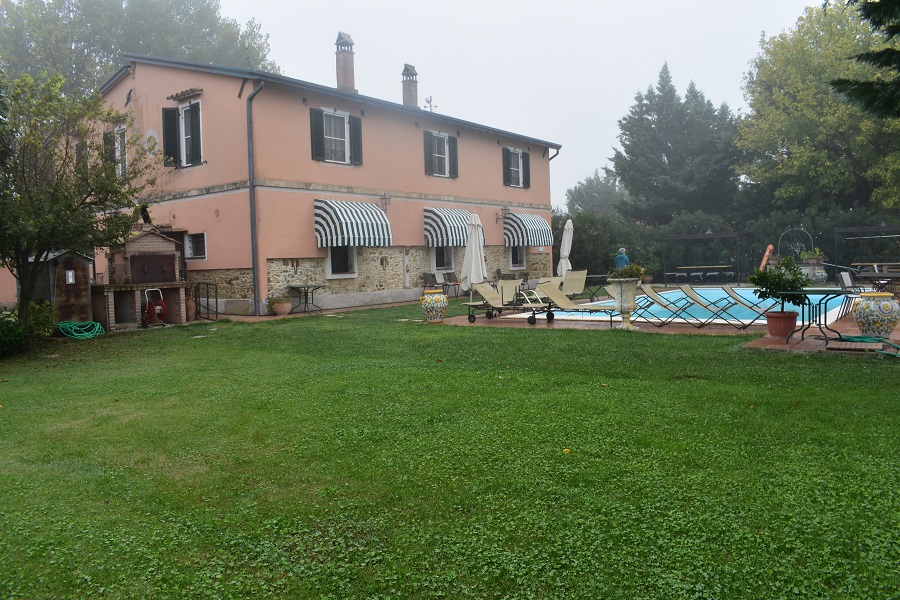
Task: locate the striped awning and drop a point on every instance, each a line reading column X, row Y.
column 340, row 223
column 446, row 227
column 522, row 229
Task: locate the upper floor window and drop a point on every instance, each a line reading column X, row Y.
column 336, row 136
column 516, row 168
column 114, row 147
column 121, row 156
column 441, row 155
column 181, row 135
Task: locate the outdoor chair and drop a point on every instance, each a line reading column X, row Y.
column 677, row 308
column 718, row 309
column 555, row 299
column 451, row 281
column 492, row 303
column 573, row 284
column 760, row 307
column 430, row 281
column 509, row 291
column 554, row 281
column 845, row 281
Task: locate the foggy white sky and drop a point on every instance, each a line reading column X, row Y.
column 563, row 71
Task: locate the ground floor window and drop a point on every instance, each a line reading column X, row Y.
column 195, row 245
column 341, row 262
column 443, row 258
column 517, row 257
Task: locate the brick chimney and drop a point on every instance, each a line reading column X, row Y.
column 410, row 86
column 344, row 62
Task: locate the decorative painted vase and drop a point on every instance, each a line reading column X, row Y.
column 434, row 305
column 624, row 292
column 877, row 314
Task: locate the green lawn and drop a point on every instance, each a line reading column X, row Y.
column 368, row 455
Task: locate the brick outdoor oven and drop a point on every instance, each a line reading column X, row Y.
column 148, row 260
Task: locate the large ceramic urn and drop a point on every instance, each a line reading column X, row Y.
column 877, row 314
column 434, row 305
column 624, row 292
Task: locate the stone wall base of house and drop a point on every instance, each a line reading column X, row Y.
column 382, row 278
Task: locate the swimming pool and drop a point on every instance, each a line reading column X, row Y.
column 695, row 312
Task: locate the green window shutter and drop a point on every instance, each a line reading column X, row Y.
column 506, row 166
column 317, row 133
column 526, row 170
column 109, row 148
column 171, row 141
column 454, row 162
column 429, row 153
column 356, row 156
column 194, row 111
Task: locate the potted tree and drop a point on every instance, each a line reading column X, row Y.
column 623, row 285
column 771, row 284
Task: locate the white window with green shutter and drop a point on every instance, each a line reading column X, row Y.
column 516, row 168
column 441, row 155
column 336, row 136
column 182, row 136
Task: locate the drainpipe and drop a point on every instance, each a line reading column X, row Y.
column 251, row 185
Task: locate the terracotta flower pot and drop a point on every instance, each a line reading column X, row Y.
column 281, row 308
column 780, row 324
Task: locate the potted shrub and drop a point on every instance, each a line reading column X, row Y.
column 812, row 257
column 771, row 284
column 623, row 287
column 280, row 305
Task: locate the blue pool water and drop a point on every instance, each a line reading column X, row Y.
column 710, row 294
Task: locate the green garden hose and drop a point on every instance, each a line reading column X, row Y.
column 872, row 340
column 81, row 331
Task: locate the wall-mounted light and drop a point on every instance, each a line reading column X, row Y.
column 504, row 212
column 385, row 202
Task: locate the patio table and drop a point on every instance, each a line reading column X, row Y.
column 815, row 313
column 882, row 282
column 593, row 284
column 305, row 297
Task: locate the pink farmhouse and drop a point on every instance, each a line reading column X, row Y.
column 273, row 182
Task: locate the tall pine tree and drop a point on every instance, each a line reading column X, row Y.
column 676, row 154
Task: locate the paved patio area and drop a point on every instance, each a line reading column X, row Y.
column 812, row 341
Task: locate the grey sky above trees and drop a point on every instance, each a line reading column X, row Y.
column 83, row 40
column 562, row 71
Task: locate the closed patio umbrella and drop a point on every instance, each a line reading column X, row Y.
column 473, row 269
column 565, row 247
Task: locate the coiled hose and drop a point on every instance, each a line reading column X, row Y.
column 81, row 331
column 872, row 340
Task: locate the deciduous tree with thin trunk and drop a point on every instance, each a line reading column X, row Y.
column 74, row 174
